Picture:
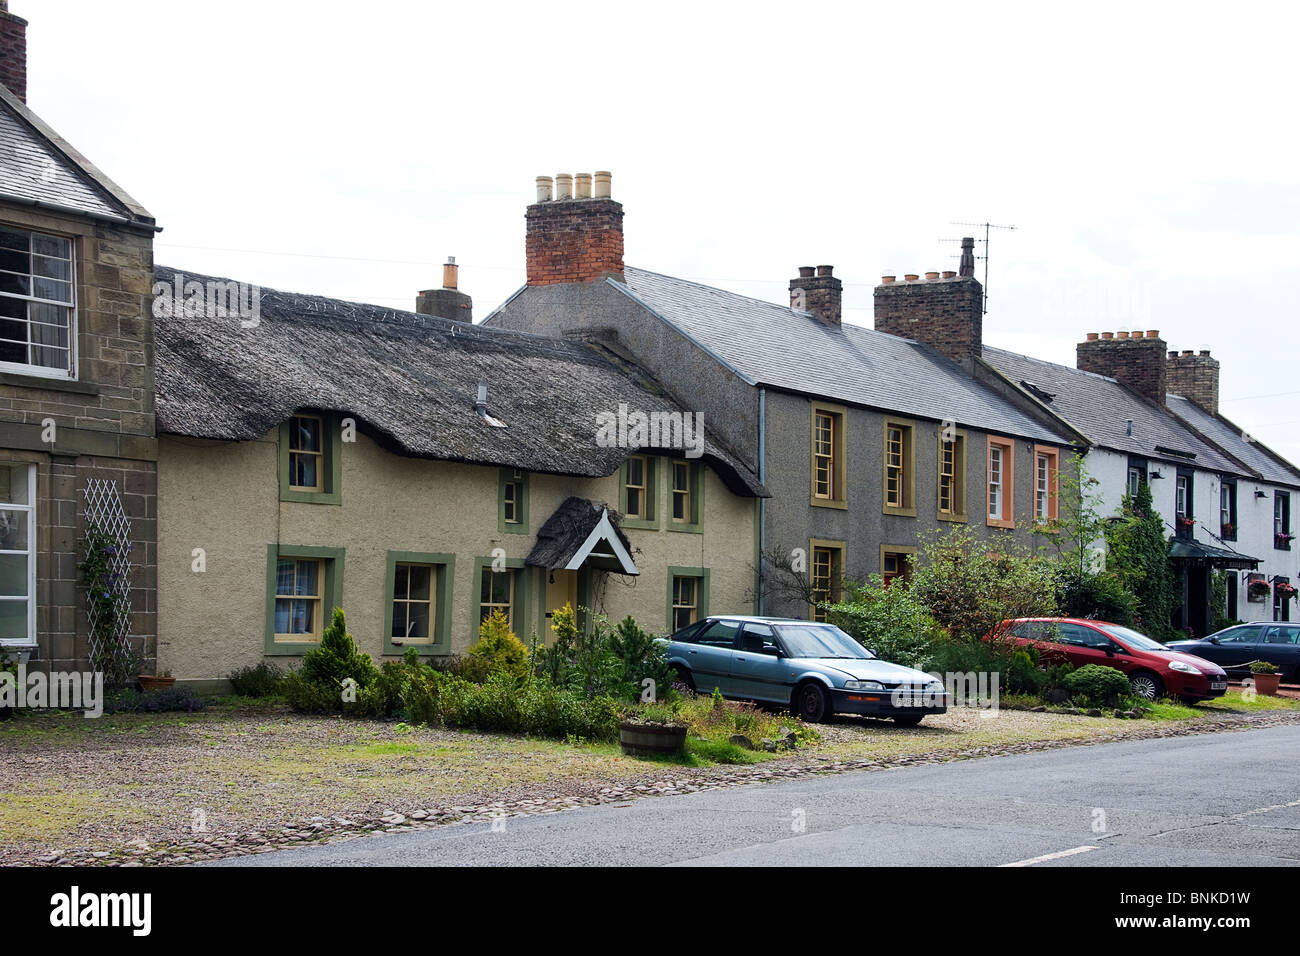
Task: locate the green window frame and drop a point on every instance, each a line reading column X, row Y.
column 693, row 522
column 519, row 619
column 651, row 519
column 443, row 587
column 331, row 467
column 331, row 593
column 507, row 477
column 701, row 576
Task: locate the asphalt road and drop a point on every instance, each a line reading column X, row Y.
column 1221, row 799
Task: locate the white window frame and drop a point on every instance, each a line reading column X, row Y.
column 1042, row 487
column 996, row 489
column 30, row 508
column 42, row 371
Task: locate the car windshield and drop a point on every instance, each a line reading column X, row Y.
column 1132, row 638
column 820, row 640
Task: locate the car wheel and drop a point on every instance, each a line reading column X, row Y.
column 909, row 720
column 812, row 703
column 1146, row 685
column 683, row 676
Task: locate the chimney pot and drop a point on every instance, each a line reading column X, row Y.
column 949, row 274
column 931, row 276
column 1153, row 333
column 806, row 272
column 1092, row 336
column 1108, row 335
column 824, row 270
column 1205, row 351
column 1121, row 335
column 1173, row 353
column 911, row 277
column 582, row 186
column 563, row 186
column 601, row 184
column 967, row 265
column 888, row 280
column 1187, row 352
column 544, row 186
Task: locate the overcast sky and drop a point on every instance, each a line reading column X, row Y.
column 1146, row 153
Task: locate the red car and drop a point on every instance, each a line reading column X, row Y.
column 1152, row 669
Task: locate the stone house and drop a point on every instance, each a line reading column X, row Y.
column 76, row 382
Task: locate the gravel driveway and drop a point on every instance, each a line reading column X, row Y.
column 172, row 788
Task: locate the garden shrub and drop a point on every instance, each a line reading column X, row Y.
column 258, row 680
column 604, row 660
column 887, row 620
column 1096, row 686
column 1017, row 667
column 317, row 686
column 498, row 651
column 1101, row 596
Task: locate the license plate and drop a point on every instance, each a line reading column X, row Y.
column 1219, row 685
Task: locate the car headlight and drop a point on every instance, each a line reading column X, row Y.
column 1183, row 667
column 863, row 685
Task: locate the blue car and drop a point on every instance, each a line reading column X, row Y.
column 814, row 669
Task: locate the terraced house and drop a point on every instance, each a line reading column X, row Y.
column 865, row 437
column 421, row 472
column 76, row 385
column 1152, row 417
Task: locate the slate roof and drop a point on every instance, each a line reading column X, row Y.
column 776, row 346
column 1233, row 440
column 1099, row 407
column 409, row 380
column 38, row 168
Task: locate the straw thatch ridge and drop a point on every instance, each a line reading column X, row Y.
column 409, row 381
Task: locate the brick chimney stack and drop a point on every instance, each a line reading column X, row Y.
column 13, row 52
column 574, row 234
column 818, row 292
column 945, row 311
column 1195, row 377
column 447, row 302
column 1135, row 359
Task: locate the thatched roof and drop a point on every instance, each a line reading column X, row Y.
column 563, row 535
column 409, row 380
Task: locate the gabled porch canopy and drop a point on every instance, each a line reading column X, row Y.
column 1192, row 551
column 581, row 534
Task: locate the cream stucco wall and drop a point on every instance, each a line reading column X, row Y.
column 223, row 497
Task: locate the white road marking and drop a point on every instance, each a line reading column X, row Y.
column 1053, row 856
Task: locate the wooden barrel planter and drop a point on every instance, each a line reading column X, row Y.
column 649, row 740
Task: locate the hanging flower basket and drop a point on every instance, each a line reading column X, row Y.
column 1285, row 590
column 1282, row 539
column 1228, row 531
column 1186, row 522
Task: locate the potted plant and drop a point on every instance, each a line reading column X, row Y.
column 1266, row 677
column 1257, row 589
column 162, row 680
column 1228, row 530
column 651, row 731
column 1282, row 540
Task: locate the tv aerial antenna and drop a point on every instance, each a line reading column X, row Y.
column 987, row 227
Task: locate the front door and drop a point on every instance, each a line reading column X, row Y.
column 561, row 589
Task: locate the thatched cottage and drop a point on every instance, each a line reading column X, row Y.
column 420, row 472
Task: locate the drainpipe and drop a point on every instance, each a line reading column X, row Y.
column 762, row 502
